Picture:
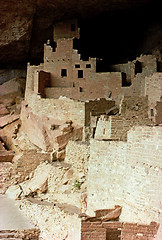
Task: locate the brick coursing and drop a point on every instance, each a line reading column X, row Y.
column 118, row 231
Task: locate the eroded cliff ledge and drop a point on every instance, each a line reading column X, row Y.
column 26, row 25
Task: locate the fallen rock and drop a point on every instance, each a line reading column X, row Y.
column 3, row 110
column 104, row 215
column 6, row 156
column 61, row 155
column 66, row 128
column 39, row 183
column 109, row 214
column 14, row 192
column 64, row 189
column 8, row 119
column 8, row 99
column 67, row 176
column 14, row 87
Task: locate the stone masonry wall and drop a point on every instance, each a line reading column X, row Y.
column 143, row 192
column 77, row 154
column 127, row 174
column 65, row 109
column 96, row 108
column 117, row 231
column 153, row 88
column 106, row 181
column 133, row 112
column 148, row 67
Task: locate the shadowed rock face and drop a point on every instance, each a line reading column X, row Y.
column 26, row 24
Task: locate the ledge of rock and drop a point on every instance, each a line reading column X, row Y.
column 26, row 25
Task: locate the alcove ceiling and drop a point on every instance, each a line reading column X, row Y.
column 116, row 30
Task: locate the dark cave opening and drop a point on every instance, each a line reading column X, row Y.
column 119, row 37
column 112, row 37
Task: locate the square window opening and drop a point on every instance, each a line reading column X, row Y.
column 88, row 65
column 77, row 65
column 63, row 72
column 80, row 73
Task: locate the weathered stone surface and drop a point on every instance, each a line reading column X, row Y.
column 109, row 214
column 5, row 176
column 67, row 176
column 3, row 110
column 14, row 86
column 38, row 128
column 14, row 192
column 8, row 99
column 2, row 146
column 39, row 182
column 6, row 156
column 8, row 119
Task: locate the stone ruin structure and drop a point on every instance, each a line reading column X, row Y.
column 106, row 126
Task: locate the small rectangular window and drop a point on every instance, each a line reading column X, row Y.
column 77, row 65
column 73, row 27
column 88, row 65
column 63, row 72
column 80, row 73
column 152, row 112
column 80, row 89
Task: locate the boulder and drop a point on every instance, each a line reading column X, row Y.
column 6, row 156
column 39, row 183
column 5, row 120
column 67, row 176
column 109, row 214
column 15, row 86
column 14, row 192
column 8, row 99
column 3, row 110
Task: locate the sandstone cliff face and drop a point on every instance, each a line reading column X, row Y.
column 26, row 25
column 16, row 21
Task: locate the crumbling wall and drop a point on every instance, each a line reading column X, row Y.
column 96, row 108
column 148, row 66
column 127, row 68
column 127, row 174
column 133, row 112
column 77, row 154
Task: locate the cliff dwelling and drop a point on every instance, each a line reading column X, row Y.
column 80, row 122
